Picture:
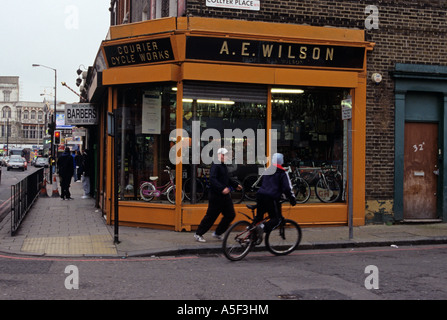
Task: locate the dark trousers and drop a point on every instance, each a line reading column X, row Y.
column 272, row 207
column 217, row 204
column 65, row 187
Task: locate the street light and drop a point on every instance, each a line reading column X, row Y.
column 53, row 154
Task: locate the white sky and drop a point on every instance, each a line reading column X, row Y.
column 61, row 34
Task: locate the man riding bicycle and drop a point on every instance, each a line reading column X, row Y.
column 274, row 184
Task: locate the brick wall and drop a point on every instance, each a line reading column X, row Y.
column 409, row 32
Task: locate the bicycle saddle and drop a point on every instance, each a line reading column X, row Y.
column 252, row 206
column 153, row 178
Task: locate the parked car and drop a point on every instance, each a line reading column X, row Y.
column 41, row 162
column 17, row 162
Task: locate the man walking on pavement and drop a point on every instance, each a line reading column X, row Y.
column 65, row 165
column 86, row 173
column 219, row 199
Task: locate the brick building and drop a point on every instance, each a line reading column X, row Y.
column 403, row 162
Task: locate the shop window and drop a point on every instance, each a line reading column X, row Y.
column 310, row 134
column 222, row 115
column 145, row 117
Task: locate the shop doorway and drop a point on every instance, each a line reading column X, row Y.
column 420, row 171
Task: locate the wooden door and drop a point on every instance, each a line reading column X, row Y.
column 420, row 170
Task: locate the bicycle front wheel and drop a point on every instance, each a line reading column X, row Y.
column 302, row 190
column 170, row 194
column 284, row 239
column 328, row 190
column 237, row 241
column 147, row 191
column 251, row 187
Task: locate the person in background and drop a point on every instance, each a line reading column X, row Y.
column 65, row 167
column 75, row 176
column 78, row 162
column 86, row 173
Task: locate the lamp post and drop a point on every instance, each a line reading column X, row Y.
column 53, row 153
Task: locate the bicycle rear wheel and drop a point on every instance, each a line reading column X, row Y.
column 238, row 195
column 284, row 239
column 147, row 191
column 187, row 189
column 237, row 241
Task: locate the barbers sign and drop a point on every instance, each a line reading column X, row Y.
column 81, row 114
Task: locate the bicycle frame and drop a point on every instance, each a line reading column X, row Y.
column 255, row 184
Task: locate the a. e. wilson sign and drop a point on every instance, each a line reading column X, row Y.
column 276, row 53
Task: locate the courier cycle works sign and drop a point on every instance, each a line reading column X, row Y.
column 140, row 52
column 81, row 114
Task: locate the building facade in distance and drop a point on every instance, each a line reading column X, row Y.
column 27, row 120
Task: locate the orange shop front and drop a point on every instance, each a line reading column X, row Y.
column 178, row 86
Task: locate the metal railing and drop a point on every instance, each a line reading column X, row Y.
column 23, row 195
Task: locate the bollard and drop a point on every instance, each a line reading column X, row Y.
column 43, row 189
column 55, row 190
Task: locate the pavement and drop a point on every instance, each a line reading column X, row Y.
column 76, row 228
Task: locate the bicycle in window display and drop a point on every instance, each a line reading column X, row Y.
column 203, row 185
column 328, row 182
column 150, row 190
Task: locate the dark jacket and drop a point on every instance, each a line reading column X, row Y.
column 276, row 184
column 65, row 165
column 219, row 179
column 86, row 164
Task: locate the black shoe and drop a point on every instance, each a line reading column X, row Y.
column 259, row 235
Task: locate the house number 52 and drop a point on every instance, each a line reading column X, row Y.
column 419, row 147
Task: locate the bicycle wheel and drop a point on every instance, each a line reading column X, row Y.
column 238, row 195
column 237, row 241
column 302, row 190
column 147, row 191
column 284, row 239
column 251, row 187
column 328, row 190
column 170, row 194
column 187, row 189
